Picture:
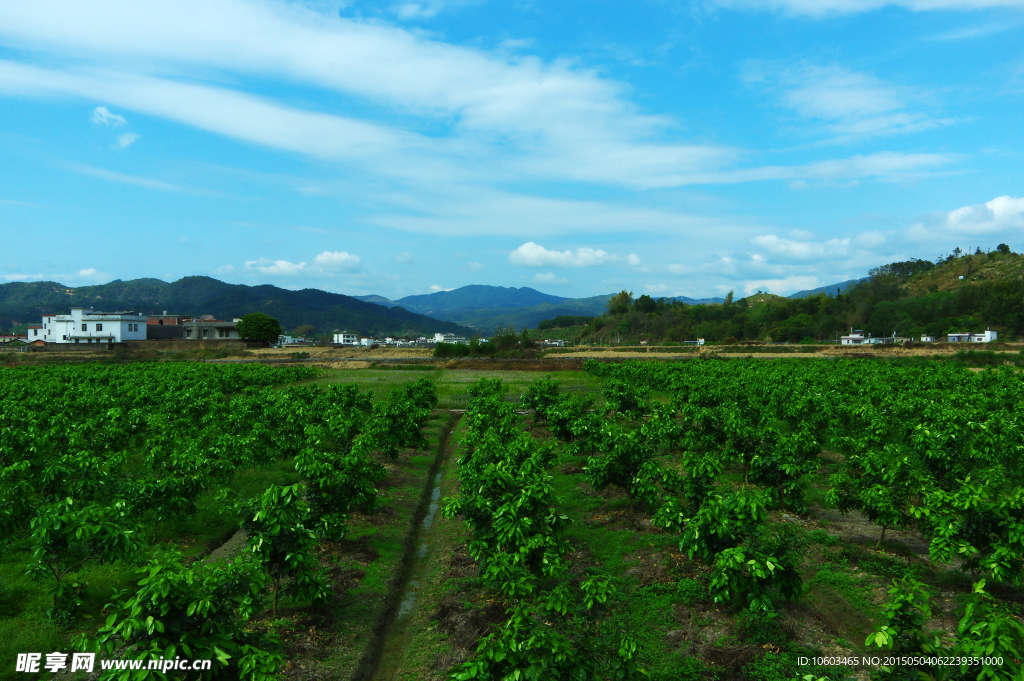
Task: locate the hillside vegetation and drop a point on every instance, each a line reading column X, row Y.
column 911, row 299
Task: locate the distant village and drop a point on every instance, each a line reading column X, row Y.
column 87, row 326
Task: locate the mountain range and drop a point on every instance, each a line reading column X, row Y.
column 484, row 308
column 467, row 310
column 26, row 302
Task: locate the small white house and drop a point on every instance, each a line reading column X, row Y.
column 985, row 337
column 86, row 326
column 927, row 339
column 855, row 338
column 345, row 338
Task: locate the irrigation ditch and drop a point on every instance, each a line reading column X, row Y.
column 390, row 634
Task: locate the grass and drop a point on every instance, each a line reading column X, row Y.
column 452, row 384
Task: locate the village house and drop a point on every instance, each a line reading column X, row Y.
column 87, row 326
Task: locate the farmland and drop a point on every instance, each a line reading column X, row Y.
column 680, row 520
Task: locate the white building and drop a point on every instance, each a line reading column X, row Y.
column 86, row 326
column 448, row 338
column 858, row 338
column 985, row 337
column 345, row 338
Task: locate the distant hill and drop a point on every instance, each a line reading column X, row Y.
column 830, row 289
column 22, row 302
column 699, row 301
column 485, row 320
column 379, row 300
column 476, row 297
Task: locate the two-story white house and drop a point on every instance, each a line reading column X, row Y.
column 448, row 338
column 87, row 326
column 345, row 338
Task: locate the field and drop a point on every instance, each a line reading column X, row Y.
column 672, row 520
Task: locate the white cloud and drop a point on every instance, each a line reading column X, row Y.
column 224, row 269
column 849, row 104
column 24, row 277
column 633, row 260
column 655, row 288
column 435, row 288
column 679, row 269
column 550, row 278
column 101, row 116
column 403, row 257
column 801, row 250
column 531, row 254
column 410, row 11
column 329, row 260
column 992, row 217
column 474, row 266
column 126, row 140
column 87, row 272
column 128, row 179
column 275, row 267
column 870, row 239
column 823, row 8
column 782, row 286
column 554, row 120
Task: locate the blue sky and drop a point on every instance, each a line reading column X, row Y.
column 669, row 148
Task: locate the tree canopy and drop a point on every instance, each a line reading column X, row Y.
column 259, row 327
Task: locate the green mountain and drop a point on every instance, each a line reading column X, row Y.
column 22, row 303
column 476, row 297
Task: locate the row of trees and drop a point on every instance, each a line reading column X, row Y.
column 93, row 459
column 948, row 468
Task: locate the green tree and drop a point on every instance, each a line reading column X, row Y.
column 1003, row 248
column 645, row 304
column 65, row 537
column 259, row 327
column 279, row 524
column 197, row 611
column 620, row 302
column 304, row 330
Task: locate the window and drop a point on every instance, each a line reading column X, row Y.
column 85, row 327
column 206, row 333
column 99, row 327
column 35, row 332
column 188, row 333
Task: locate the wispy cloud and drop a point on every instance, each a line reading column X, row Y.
column 126, row 179
column 550, row 279
column 338, row 260
column 275, row 267
column 849, row 105
column 802, row 250
column 826, row 8
column 101, row 116
column 531, row 254
column 126, row 140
